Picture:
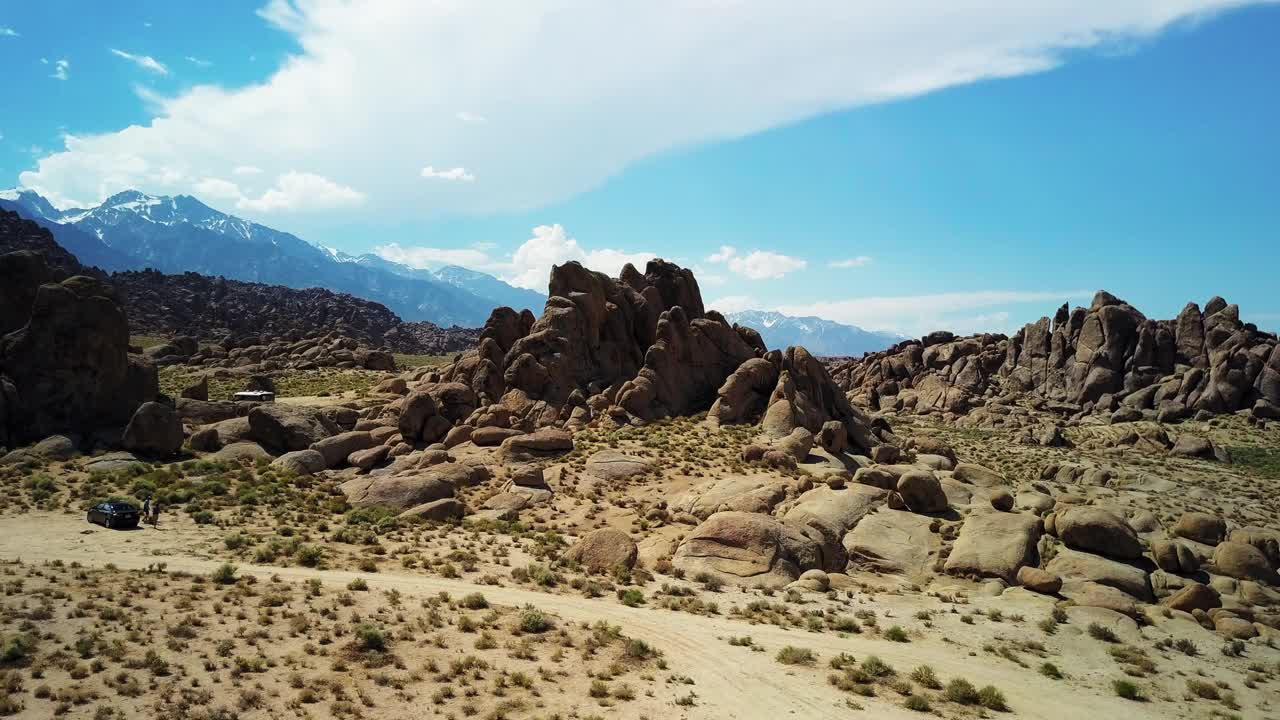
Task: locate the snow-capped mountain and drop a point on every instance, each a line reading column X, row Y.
column 818, row 336
column 133, row 230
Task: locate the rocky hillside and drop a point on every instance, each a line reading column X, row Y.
column 1108, row 359
column 135, row 231
column 210, row 308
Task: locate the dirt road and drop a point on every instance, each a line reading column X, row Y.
column 731, row 682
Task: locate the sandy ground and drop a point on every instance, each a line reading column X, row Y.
column 732, row 682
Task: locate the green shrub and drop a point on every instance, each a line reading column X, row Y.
column 310, row 556
column 896, row 634
column 631, row 597
column 474, row 601
column 925, row 677
column 225, row 574
column 533, row 620
column 991, row 698
column 791, row 655
column 1050, row 670
column 919, row 703
column 1127, row 689
column 369, row 637
column 961, row 691
column 1102, row 632
column 17, row 649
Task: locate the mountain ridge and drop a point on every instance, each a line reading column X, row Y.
column 132, row 230
column 819, row 336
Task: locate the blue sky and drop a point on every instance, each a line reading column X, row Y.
column 901, row 171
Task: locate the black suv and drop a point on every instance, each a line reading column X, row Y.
column 116, row 515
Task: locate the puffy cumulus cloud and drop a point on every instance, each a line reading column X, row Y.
column 458, row 174
column 382, row 82
column 296, row 191
column 217, row 189
column 530, row 265
column 146, row 62
column 757, row 264
column 8, row 32
column 733, row 303
column 918, row 315
column 853, row 262
column 429, row 257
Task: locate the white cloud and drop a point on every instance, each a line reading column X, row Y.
column 853, row 262
column 724, row 253
column 8, row 32
column 917, row 315
column 529, row 266
column 60, row 68
column 428, row 257
column 607, row 75
column 198, row 62
column 757, row 264
column 458, row 174
column 247, row 170
column 218, row 189
column 733, row 303
column 146, row 62
column 470, row 117
column 300, row 191
column 531, row 263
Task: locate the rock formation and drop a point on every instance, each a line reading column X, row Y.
column 64, row 345
column 1106, row 359
column 635, row 349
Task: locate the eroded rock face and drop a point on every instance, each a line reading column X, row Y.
column 599, row 551
column 153, row 430
column 638, row 348
column 1099, row 531
column 747, row 548
column 995, row 544
column 64, row 347
column 1107, row 358
column 289, row 427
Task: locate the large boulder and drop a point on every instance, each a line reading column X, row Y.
column 1039, row 581
column 1072, row 565
column 336, row 449
column 543, row 443
column 832, row 513
column 154, row 429
column 1194, row 596
column 921, row 492
column 415, row 409
column 1243, row 562
column 289, row 427
column 600, row 551
column 301, row 462
column 442, row 510
column 894, row 542
column 396, row 492
column 979, row 475
column 752, row 494
column 1201, row 527
column 1096, row 530
column 995, row 544
column 615, row 466
column 746, row 548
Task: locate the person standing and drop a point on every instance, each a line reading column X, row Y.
column 146, row 509
column 155, row 515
